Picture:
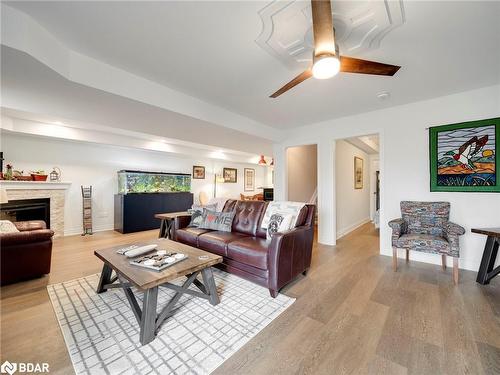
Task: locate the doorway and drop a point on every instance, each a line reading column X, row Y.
column 302, row 173
column 357, row 183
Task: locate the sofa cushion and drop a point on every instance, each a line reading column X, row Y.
column 219, row 221
column 216, row 241
column 189, row 236
column 423, row 242
column 250, row 250
column 247, row 216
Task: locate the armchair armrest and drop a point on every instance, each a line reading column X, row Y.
column 398, row 227
column 453, row 229
column 27, row 236
column 452, row 232
column 23, row 226
column 289, row 254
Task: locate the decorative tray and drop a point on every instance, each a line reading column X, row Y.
column 158, row 260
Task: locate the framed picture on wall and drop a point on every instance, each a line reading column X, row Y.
column 198, row 172
column 464, row 156
column 230, row 175
column 358, row 173
column 249, row 174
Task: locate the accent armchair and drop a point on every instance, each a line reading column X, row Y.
column 425, row 227
column 25, row 254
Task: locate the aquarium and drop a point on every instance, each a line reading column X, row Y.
column 152, row 182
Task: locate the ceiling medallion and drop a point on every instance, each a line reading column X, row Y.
column 359, row 27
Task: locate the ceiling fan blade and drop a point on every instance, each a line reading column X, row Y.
column 294, row 82
column 352, row 65
column 324, row 40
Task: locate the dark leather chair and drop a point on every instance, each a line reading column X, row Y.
column 245, row 250
column 25, row 254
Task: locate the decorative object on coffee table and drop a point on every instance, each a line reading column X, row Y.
column 465, row 156
column 230, row 175
column 358, row 173
column 198, row 172
column 128, row 276
column 486, row 269
column 87, row 210
column 249, row 174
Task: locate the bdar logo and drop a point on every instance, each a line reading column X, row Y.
column 8, row 368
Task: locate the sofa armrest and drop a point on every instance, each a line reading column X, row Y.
column 23, row 226
column 180, row 222
column 28, row 236
column 289, row 254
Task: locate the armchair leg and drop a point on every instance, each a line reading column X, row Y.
column 443, row 261
column 273, row 293
column 407, row 255
column 394, row 259
column 455, row 271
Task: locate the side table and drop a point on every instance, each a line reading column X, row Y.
column 167, row 220
column 486, row 271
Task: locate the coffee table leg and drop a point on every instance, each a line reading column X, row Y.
column 208, row 281
column 148, row 316
column 488, row 260
column 105, row 278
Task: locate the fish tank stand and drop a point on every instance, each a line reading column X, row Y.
column 143, row 194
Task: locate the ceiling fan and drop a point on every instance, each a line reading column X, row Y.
column 326, row 59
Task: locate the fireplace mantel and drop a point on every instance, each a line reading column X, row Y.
column 34, row 185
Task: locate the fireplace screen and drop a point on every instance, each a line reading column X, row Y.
column 26, row 209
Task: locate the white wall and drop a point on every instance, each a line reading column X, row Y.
column 96, row 165
column 302, row 172
column 374, row 167
column 353, row 205
column 404, row 165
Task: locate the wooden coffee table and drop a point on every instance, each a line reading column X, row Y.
column 148, row 281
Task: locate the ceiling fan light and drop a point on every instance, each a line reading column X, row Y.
column 325, row 66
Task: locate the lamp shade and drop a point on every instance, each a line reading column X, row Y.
column 3, row 196
column 262, row 161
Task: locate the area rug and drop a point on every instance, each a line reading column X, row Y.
column 102, row 334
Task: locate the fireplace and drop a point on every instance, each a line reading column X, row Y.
column 26, row 209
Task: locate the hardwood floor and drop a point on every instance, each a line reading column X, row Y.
column 353, row 314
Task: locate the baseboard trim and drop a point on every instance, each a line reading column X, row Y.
column 349, row 229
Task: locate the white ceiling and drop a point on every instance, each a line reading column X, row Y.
column 208, row 50
column 32, row 91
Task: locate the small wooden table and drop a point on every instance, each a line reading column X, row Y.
column 486, row 271
column 167, row 220
column 149, row 281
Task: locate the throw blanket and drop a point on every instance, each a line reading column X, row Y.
column 283, row 208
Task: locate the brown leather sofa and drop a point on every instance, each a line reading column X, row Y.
column 247, row 253
column 25, row 254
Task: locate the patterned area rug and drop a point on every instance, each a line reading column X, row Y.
column 102, row 334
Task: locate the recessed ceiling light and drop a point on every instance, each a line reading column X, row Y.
column 58, row 123
column 383, row 95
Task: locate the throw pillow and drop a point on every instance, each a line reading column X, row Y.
column 197, row 214
column 7, row 226
column 222, row 221
column 278, row 223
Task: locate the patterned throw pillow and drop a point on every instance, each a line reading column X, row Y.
column 197, row 214
column 222, row 221
column 278, row 223
column 7, row 226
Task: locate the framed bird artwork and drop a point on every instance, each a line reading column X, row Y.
column 464, row 157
